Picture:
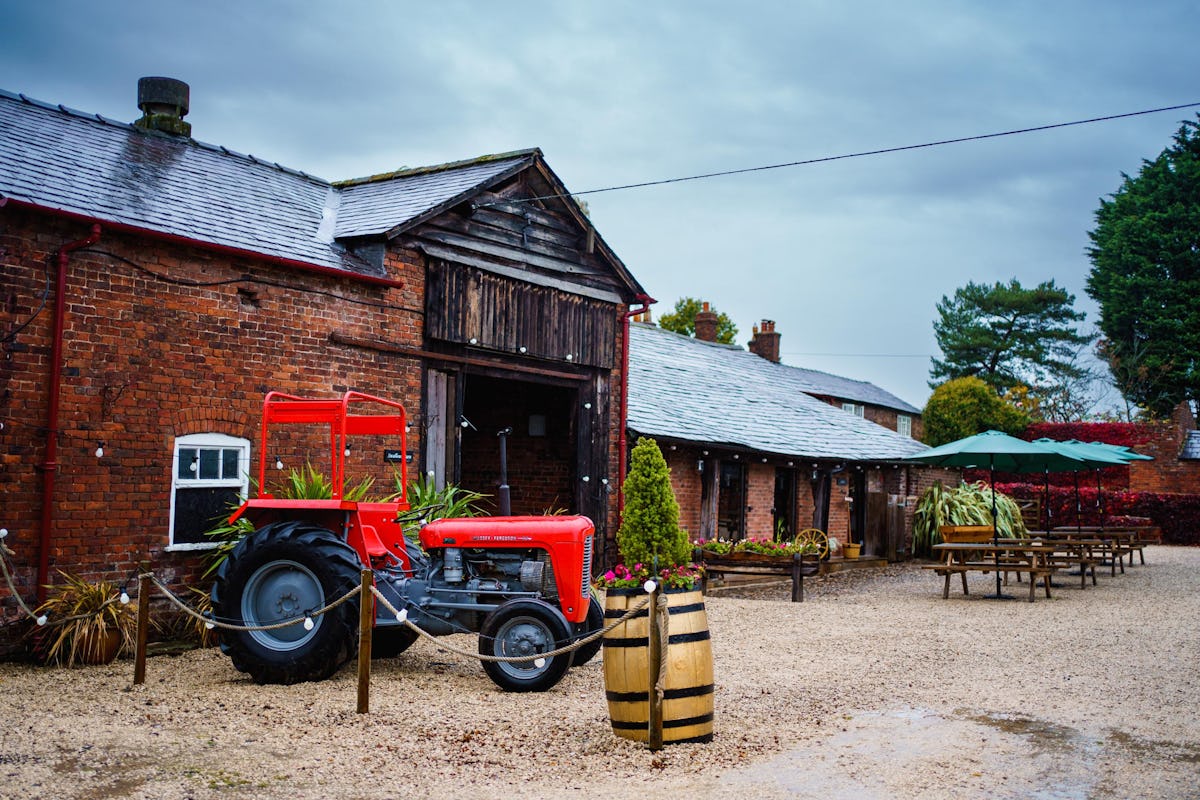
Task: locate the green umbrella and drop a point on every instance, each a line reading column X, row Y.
column 1122, row 451
column 994, row 451
column 1090, row 457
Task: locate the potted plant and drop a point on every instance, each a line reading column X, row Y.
column 87, row 622
column 652, row 545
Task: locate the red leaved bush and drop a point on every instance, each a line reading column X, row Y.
column 1126, row 434
column 1176, row 515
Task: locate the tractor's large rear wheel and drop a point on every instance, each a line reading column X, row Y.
column 281, row 572
column 525, row 628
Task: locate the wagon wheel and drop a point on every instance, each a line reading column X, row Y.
column 815, row 539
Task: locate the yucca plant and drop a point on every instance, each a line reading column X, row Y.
column 84, row 620
column 448, row 502
column 306, row 483
column 966, row 504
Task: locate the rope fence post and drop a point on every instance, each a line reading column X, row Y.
column 143, row 629
column 366, row 623
column 656, row 670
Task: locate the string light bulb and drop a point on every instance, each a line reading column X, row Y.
column 41, row 621
column 278, row 463
column 99, row 449
column 124, row 597
column 539, row 662
column 3, row 532
column 309, row 624
column 208, row 623
column 649, row 586
column 402, row 615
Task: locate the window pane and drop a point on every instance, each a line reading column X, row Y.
column 187, row 457
column 210, row 466
column 229, row 464
column 200, row 510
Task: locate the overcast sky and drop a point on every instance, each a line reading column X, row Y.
column 848, row 257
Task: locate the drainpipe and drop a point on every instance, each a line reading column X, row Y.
column 50, row 465
column 623, row 440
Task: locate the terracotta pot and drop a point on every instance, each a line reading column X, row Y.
column 98, row 647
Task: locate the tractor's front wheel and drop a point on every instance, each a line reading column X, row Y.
column 593, row 623
column 525, row 628
column 282, row 572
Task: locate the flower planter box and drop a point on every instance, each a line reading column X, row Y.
column 795, row 566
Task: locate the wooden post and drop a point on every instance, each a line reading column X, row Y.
column 366, row 624
column 143, row 630
column 656, row 655
column 797, row 577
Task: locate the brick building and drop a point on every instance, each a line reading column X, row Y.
column 753, row 453
column 156, row 287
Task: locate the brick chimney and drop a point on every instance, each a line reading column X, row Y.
column 706, row 324
column 765, row 341
column 164, row 104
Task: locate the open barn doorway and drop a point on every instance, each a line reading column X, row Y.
column 540, row 446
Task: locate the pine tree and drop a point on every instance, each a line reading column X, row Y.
column 650, row 521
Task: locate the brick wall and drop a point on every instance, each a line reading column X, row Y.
column 158, row 343
column 1167, row 472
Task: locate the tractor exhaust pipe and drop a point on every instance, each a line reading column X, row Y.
column 504, row 499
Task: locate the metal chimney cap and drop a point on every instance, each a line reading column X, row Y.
column 163, row 96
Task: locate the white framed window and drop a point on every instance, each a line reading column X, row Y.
column 853, row 408
column 904, row 425
column 209, row 472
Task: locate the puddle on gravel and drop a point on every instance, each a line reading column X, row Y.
column 916, row 752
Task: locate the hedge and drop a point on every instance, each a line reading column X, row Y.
column 1176, row 515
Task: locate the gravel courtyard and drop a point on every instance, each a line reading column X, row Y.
column 874, row 687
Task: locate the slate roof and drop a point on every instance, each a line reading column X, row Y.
column 690, row 390
column 825, row 384
column 383, row 203
column 57, row 158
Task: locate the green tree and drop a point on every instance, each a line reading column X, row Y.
column 683, row 320
column 966, row 406
column 650, row 520
column 1008, row 335
column 1145, row 275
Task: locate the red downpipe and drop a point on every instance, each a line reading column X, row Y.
column 623, row 440
column 50, row 465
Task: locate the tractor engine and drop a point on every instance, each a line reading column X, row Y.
column 470, row 566
column 454, row 588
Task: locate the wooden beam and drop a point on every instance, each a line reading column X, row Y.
column 414, row 352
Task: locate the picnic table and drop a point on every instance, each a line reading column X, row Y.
column 986, row 557
column 1115, row 543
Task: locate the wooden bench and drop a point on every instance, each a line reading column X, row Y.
column 797, row 567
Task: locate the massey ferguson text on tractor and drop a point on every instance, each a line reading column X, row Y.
column 521, row 583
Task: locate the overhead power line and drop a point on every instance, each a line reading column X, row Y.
column 863, row 153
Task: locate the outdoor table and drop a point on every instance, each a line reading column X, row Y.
column 962, row 558
column 1118, row 542
column 1080, row 553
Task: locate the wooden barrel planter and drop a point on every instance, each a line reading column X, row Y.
column 688, row 696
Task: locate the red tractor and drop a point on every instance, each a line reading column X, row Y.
column 521, row 583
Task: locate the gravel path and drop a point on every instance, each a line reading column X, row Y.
column 874, row 687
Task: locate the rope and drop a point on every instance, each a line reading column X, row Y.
column 210, row 620
column 510, row 659
column 662, row 616
column 4, row 553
